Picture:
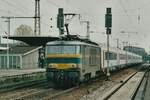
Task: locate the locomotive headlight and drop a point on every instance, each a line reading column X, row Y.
column 53, row 66
column 50, row 65
column 74, row 65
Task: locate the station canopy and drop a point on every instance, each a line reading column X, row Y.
column 33, row 40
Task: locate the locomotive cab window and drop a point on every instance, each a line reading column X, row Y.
column 63, row 49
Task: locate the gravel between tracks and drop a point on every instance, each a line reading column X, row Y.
column 96, row 89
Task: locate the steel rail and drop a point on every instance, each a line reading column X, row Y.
column 115, row 90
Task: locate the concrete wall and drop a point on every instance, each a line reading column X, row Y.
column 30, row 60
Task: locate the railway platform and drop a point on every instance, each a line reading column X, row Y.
column 13, row 72
column 14, row 78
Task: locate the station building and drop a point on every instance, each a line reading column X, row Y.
column 20, row 57
column 25, row 57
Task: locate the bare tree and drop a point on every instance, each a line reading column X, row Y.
column 24, row 30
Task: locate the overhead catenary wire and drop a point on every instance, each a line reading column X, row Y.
column 142, row 6
column 9, row 12
column 53, row 3
column 125, row 11
column 16, row 8
column 23, row 6
column 129, row 16
column 19, row 7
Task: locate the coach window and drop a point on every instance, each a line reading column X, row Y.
column 122, row 57
column 106, row 56
column 112, row 56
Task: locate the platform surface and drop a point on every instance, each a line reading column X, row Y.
column 13, row 72
column 147, row 92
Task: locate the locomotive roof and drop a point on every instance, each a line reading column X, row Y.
column 72, row 40
column 70, row 43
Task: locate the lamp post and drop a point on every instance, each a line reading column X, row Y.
column 117, row 42
column 8, row 21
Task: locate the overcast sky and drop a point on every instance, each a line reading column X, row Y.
column 130, row 16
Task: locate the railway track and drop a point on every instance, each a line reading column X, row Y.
column 13, row 93
column 141, row 91
column 34, row 92
column 44, row 94
column 109, row 95
column 127, row 89
column 21, row 85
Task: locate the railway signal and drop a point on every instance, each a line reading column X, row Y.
column 108, row 18
column 60, row 21
column 108, row 25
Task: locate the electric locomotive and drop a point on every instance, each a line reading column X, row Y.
column 71, row 61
